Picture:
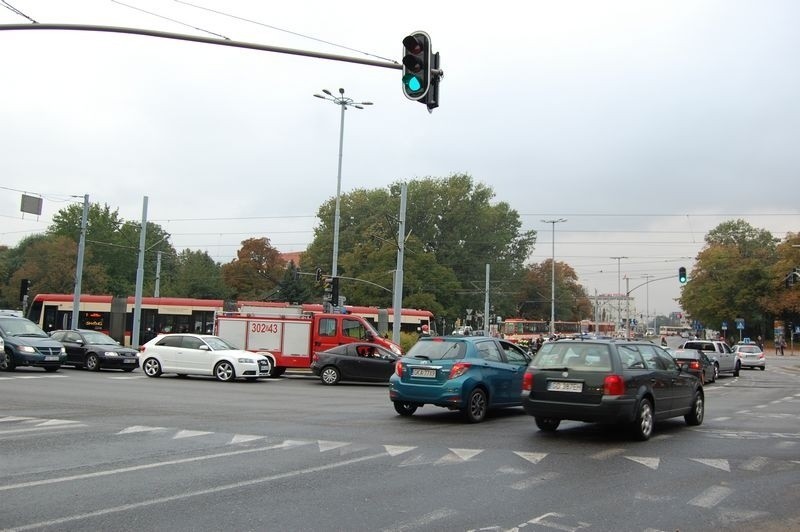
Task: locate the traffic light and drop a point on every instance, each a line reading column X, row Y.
column 318, row 274
column 327, row 284
column 23, row 288
column 335, row 292
column 682, row 275
column 416, row 65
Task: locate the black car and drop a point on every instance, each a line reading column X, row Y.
column 354, row 362
column 94, row 350
column 698, row 363
column 623, row 382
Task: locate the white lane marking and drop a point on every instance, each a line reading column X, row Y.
column 14, row 418
column 723, row 418
column 243, row 438
column 711, row 497
column 756, row 463
column 466, row 454
column 544, row 520
column 38, row 376
column 141, row 467
column 423, row 521
column 207, row 491
column 331, row 445
column 140, row 428
column 39, row 429
column 57, row 422
column 652, row 463
column 190, row 434
column 533, row 458
column 717, row 463
column 395, row 450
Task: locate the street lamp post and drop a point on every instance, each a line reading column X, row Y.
column 619, row 290
column 553, row 276
column 344, row 103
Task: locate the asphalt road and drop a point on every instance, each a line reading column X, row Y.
column 118, row 451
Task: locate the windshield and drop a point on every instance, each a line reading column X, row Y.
column 98, row 338
column 438, row 350
column 217, row 344
column 21, row 327
column 581, row 356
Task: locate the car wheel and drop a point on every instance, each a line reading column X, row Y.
column 763, row 368
column 7, row 361
column 716, row 372
column 276, row 372
column 152, row 367
column 695, row 415
column 404, row 409
column 92, row 362
column 224, row 371
column 51, row 369
column 547, row 424
column 642, row 426
column 477, row 405
column 329, row 375
column 736, row 369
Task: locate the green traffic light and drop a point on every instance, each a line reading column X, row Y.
column 413, row 83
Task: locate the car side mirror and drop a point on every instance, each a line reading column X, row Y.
column 204, row 348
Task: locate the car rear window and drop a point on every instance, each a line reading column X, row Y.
column 582, row 356
column 749, row 349
column 438, row 350
column 703, row 346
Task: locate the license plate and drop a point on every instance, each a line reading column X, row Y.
column 423, row 372
column 51, row 358
column 561, row 386
column 129, row 361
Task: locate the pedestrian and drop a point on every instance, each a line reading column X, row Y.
column 782, row 344
column 663, row 341
column 760, row 343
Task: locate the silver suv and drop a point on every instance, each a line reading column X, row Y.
column 720, row 353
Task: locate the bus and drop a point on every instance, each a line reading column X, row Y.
column 668, row 330
column 520, row 330
column 114, row 315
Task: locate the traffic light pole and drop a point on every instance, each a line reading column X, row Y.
column 205, row 40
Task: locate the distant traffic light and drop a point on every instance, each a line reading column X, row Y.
column 416, row 65
column 24, row 286
column 327, row 284
column 682, row 275
column 335, row 292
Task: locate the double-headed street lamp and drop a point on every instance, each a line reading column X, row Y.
column 344, row 103
column 553, row 276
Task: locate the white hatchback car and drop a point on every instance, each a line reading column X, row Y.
column 201, row 354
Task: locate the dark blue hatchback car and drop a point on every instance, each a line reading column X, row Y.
column 467, row 373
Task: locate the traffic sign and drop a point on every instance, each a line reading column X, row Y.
column 740, row 323
column 724, row 326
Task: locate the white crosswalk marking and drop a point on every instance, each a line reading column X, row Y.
column 652, row 463
column 714, row 462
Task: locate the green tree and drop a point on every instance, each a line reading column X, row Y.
column 112, row 243
column 293, row 287
column 455, row 231
column 195, row 275
column 731, row 277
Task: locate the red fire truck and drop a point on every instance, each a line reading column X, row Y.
column 289, row 336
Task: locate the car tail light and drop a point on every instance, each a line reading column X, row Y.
column 527, row 380
column 613, row 385
column 694, row 364
column 458, row 369
column 398, row 368
column 761, row 355
column 141, row 348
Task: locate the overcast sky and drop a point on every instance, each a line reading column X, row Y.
column 644, row 124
